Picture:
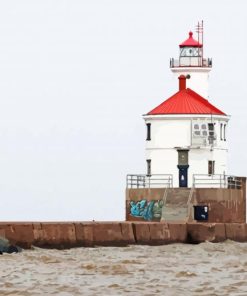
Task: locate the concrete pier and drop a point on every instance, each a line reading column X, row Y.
column 62, row 235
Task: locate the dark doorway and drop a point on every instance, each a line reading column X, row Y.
column 183, row 175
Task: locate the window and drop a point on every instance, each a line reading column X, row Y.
column 211, row 166
column 148, row 167
column 224, row 132
column 183, row 157
column 148, row 131
column 221, row 131
column 200, row 129
column 204, row 130
column 197, row 130
column 211, row 129
column 211, row 136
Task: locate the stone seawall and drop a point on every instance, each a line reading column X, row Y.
column 88, row 234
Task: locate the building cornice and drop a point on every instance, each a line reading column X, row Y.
column 186, row 116
column 190, row 69
column 188, row 148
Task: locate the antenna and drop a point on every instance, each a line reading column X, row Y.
column 199, row 30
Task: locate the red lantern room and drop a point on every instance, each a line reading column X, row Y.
column 191, row 52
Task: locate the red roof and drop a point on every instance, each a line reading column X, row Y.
column 186, row 101
column 190, row 42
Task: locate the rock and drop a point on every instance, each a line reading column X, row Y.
column 4, row 244
column 12, row 249
column 6, row 247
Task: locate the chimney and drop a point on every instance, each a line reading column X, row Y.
column 182, row 81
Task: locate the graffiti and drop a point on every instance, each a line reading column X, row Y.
column 147, row 210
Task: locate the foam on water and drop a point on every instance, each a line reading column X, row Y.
column 178, row 269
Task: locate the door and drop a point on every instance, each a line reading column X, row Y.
column 183, row 165
column 183, row 175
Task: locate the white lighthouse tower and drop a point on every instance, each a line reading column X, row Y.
column 186, row 134
column 192, row 62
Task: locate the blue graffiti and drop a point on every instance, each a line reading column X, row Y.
column 142, row 209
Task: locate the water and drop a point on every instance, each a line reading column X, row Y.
column 178, row 269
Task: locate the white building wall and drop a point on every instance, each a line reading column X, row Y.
column 164, row 161
column 220, row 155
column 198, row 161
column 199, row 78
column 171, row 133
column 167, row 133
column 221, row 135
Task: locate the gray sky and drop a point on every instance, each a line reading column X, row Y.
column 75, row 78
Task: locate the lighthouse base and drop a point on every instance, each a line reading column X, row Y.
column 220, row 205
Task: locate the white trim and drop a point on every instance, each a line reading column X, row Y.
column 182, row 116
column 190, row 69
column 186, row 148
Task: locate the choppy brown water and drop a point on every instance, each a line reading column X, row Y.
column 205, row 269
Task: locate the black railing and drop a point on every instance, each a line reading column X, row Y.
column 190, row 62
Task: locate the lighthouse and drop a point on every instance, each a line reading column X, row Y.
column 186, row 133
column 186, row 176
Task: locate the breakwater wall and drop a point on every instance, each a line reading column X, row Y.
column 88, row 234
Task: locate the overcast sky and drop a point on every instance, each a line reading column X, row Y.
column 75, row 78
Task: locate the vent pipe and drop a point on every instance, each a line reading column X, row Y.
column 182, row 81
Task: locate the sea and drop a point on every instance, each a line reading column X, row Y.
column 176, row 269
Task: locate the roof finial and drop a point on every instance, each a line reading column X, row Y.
column 190, row 34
